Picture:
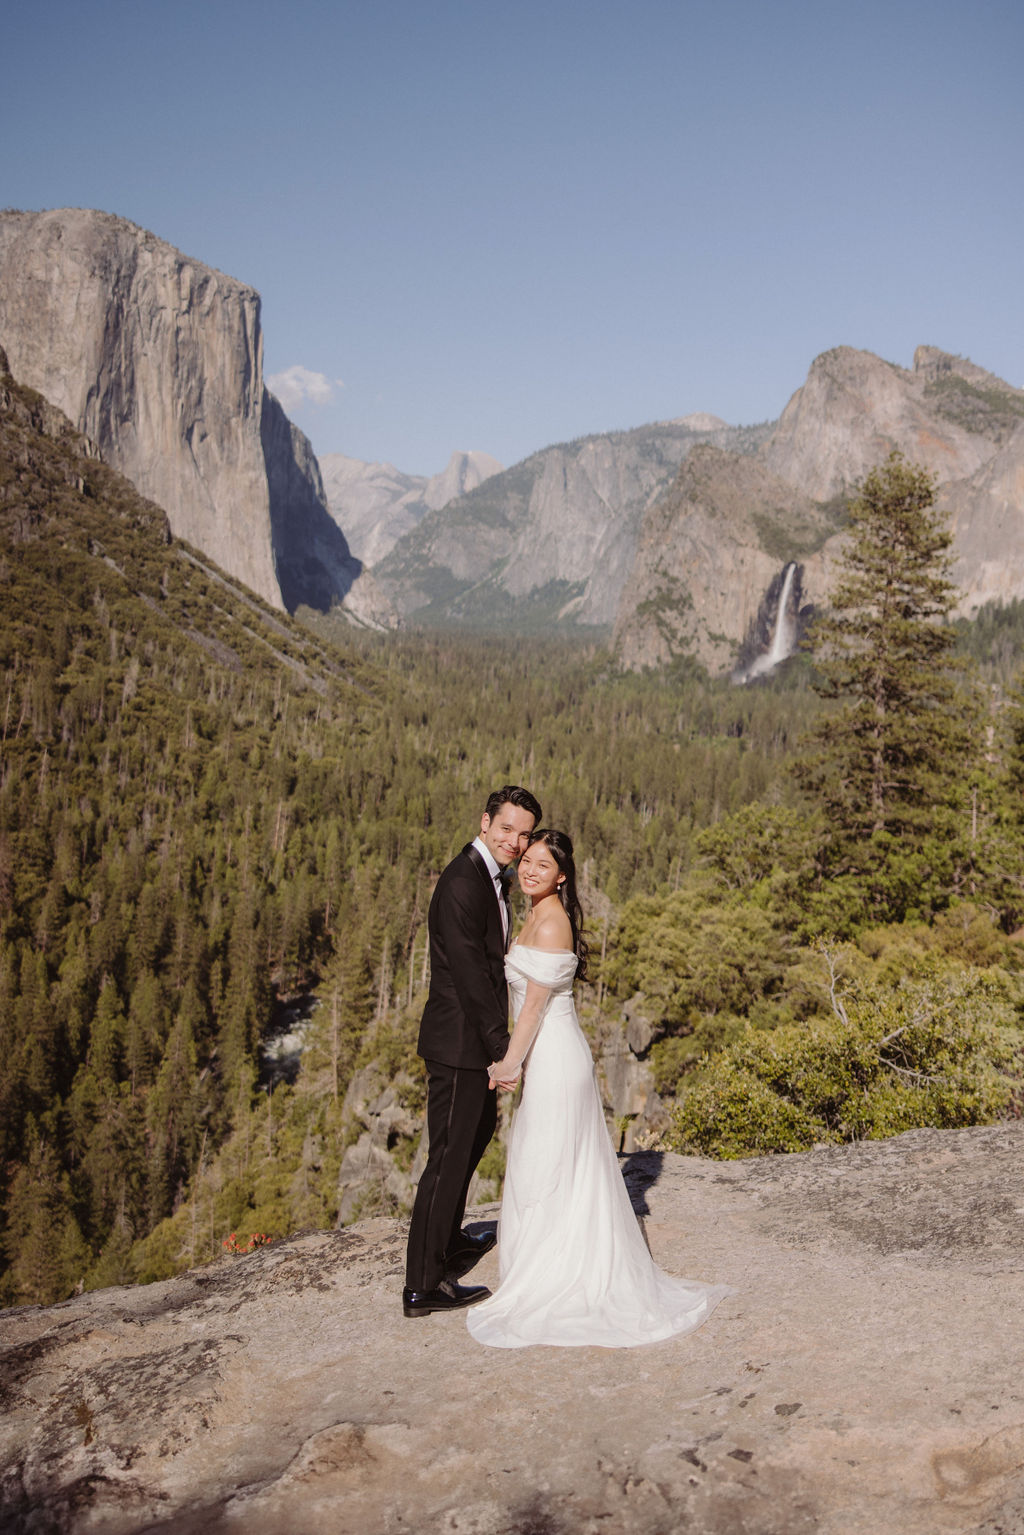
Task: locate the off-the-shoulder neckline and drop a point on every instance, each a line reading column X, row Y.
column 529, row 948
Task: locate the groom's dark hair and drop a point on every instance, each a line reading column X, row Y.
column 512, row 794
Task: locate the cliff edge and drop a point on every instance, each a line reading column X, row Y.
column 865, row 1377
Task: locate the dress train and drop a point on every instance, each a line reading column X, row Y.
column 574, row 1268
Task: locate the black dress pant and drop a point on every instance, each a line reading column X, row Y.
column 462, row 1113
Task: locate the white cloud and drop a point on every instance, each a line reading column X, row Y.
column 298, row 384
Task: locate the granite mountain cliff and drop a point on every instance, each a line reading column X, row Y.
column 710, row 550
column 549, row 542
column 679, row 533
column 159, row 360
column 376, row 504
column 675, row 536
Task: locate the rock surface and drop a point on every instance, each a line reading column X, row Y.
column 855, row 408
column 712, row 549
column 159, row 359
column 551, row 541
column 988, row 527
column 708, row 551
column 376, row 504
column 864, row 1379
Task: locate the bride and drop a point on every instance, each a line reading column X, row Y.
column 573, row 1264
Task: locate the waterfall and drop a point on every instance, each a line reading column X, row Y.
column 784, row 633
column 785, row 628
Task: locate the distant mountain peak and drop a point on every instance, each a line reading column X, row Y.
column 700, row 421
column 375, row 504
column 463, row 472
column 933, row 364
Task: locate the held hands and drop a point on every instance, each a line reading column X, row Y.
column 505, row 1074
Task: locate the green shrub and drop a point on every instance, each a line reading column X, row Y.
column 675, row 1055
column 732, row 1113
column 943, row 1050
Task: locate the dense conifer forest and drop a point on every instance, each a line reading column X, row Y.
column 208, row 809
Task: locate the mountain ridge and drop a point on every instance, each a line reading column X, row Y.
column 582, row 534
column 159, row 359
column 549, row 540
column 374, row 504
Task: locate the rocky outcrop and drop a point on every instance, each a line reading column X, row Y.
column 987, row 520
column 386, row 1141
column 369, row 1177
column 635, row 1113
column 159, row 359
column 376, row 504
column 712, row 552
column 708, row 552
column 314, row 564
column 865, row 1375
column 855, row 408
column 549, row 542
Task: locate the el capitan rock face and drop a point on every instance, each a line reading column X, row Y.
column 159, row 359
column 865, row 1377
column 155, row 357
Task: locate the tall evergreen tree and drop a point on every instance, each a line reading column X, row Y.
column 889, row 761
column 997, row 804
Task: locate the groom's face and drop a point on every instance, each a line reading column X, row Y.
column 506, row 833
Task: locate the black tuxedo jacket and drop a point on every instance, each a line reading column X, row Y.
column 465, row 1021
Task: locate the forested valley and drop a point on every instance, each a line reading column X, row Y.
column 208, row 809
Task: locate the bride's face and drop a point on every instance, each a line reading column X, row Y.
column 539, row 874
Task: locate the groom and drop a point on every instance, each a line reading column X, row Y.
column 464, row 1028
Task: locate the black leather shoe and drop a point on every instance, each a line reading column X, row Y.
column 469, row 1249
column 448, row 1296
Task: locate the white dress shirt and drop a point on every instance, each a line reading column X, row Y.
column 495, row 872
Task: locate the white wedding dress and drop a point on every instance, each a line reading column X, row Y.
column 572, row 1261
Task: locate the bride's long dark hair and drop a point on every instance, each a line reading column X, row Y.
column 560, row 845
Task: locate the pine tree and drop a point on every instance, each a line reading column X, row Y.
column 889, row 763
column 172, row 1112
column 44, row 1244
column 997, row 804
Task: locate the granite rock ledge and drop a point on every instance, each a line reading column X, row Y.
column 867, row 1375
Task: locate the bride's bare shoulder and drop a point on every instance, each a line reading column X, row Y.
column 552, row 932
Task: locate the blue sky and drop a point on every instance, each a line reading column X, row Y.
column 497, row 226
